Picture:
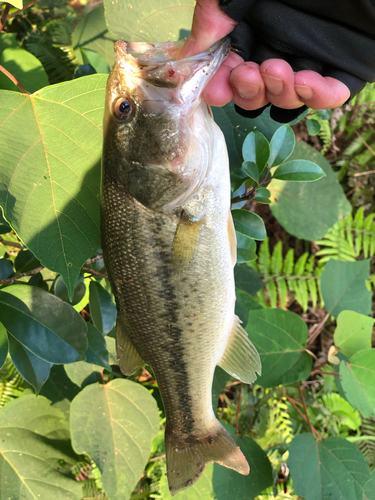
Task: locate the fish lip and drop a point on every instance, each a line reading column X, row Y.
column 170, row 50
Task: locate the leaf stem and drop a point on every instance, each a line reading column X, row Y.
column 10, row 281
column 319, row 372
column 4, row 16
column 157, row 458
column 306, row 413
column 9, row 243
column 14, row 80
column 21, row 10
column 318, row 328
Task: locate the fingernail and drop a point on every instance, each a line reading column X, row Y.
column 273, row 84
column 304, row 91
column 246, row 90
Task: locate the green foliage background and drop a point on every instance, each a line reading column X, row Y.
column 71, row 425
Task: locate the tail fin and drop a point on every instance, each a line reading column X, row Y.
column 186, row 463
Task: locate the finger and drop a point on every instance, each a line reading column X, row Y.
column 320, row 92
column 219, row 90
column 278, row 77
column 209, row 25
column 248, row 86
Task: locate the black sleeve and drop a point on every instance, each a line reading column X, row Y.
column 333, row 37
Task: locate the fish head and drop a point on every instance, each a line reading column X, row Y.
column 156, row 141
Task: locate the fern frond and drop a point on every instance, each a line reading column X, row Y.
column 368, row 447
column 10, row 383
column 325, row 135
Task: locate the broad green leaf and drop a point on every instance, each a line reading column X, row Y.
column 247, row 279
column 299, row 171
column 6, row 269
column 343, row 287
column 96, row 353
column 201, row 490
column 353, row 332
column 228, row 484
column 369, row 489
column 246, row 249
column 8, row 40
column 256, row 149
column 97, row 61
column 91, row 33
column 27, row 69
column 25, row 261
column 145, row 21
column 245, row 303
column 281, row 145
column 78, row 293
column 33, row 369
column 307, row 210
column 4, row 346
column 18, row 4
column 51, row 167
column 249, row 224
column 220, row 380
column 263, row 192
column 251, row 170
column 36, row 457
column 313, row 126
column 280, row 338
column 102, row 308
column 331, row 469
column 358, row 381
column 59, row 389
column 57, row 337
column 260, row 199
column 115, row 424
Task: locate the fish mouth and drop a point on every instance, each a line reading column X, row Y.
column 159, row 63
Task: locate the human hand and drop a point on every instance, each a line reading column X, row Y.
column 250, row 85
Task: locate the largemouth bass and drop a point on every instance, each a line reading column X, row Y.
column 169, row 246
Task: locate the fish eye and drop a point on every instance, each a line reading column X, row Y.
column 122, row 108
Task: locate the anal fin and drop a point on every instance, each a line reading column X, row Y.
column 240, row 358
column 129, row 359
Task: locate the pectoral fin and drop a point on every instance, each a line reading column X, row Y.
column 129, row 359
column 185, row 243
column 241, row 359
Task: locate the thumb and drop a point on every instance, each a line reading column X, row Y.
column 210, row 24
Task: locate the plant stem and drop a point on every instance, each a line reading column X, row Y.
column 14, row 80
column 21, row 10
column 305, row 409
column 317, row 330
column 9, row 243
column 238, row 406
column 319, row 372
column 157, row 458
column 94, row 273
column 4, row 15
column 10, row 281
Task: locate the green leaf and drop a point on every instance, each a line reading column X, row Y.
column 299, row 171
column 96, row 353
column 282, row 145
column 260, row 199
column 59, row 389
column 62, row 292
column 115, row 424
column 220, row 380
column 91, row 33
column 6, row 269
column 57, row 337
column 33, row 369
column 25, row 67
column 333, row 468
column 8, row 40
column 343, row 287
column 143, row 21
column 245, row 303
column 25, row 261
column 18, row 4
column 246, row 249
column 4, row 346
column 369, row 489
column 36, row 457
column 247, row 279
column 249, row 224
column 353, row 332
column 358, row 381
column 51, row 168
column 280, row 338
column 97, row 61
column 307, row 211
column 228, row 484
column 263, row 192
column 251, row 170
column 102, row 308
column 256, row 149
column 313, row 126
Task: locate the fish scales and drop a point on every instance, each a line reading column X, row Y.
column 167, row 240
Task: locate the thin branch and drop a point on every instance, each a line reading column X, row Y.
column 299, row 411
column 364, row 173
column 319, row 372
column 365, row 143
column 317, row 330
column 157, row 458
column 4, row 15
column 238, row 406
column 21, row 10
column 9, row 243
column 95, row 273
column 94, row 259
column 14, row 80
column 305, row 409
column 16, row 277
